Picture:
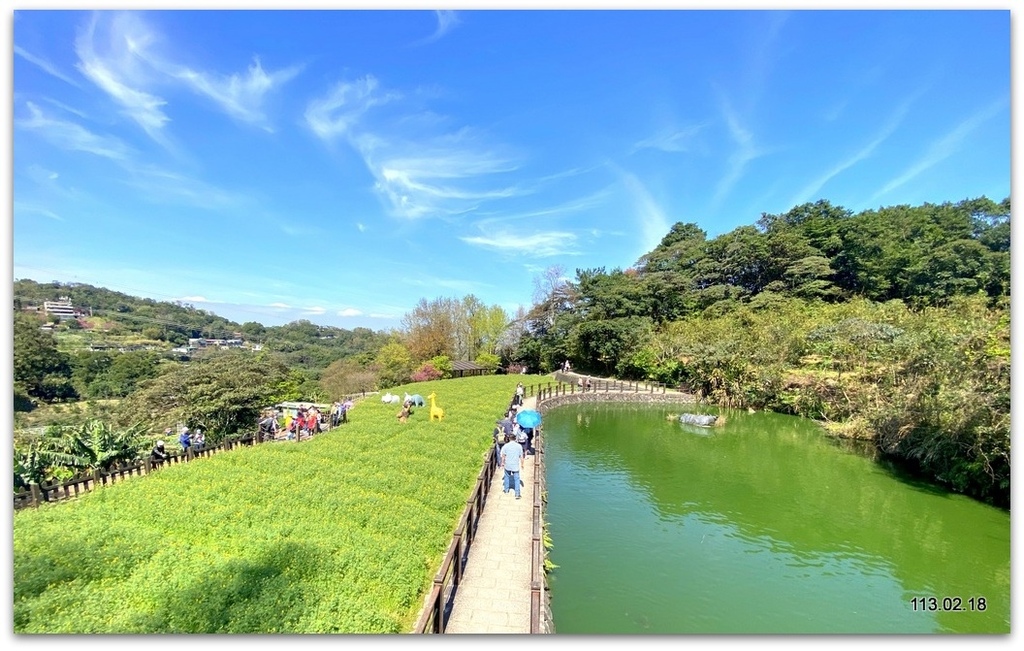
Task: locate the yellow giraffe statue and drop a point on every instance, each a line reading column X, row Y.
column 435, row 411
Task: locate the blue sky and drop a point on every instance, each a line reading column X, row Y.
column 339, row 166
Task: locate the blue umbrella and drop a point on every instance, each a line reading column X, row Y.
column 528, row 418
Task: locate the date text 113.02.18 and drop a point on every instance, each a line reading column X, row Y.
column 949, row 604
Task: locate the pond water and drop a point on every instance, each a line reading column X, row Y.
column 760, row 525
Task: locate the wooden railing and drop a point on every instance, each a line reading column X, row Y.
column 37, row 494
column 440, row 600
column 538, row 582
column 566, row 384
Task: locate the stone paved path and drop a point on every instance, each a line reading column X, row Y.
column 494, row 596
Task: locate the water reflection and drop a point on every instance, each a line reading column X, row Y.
column 770, row 525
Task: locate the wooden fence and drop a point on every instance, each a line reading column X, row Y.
column 441, row 598
column 54, row 491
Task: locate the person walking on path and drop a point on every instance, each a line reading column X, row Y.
column 511, row 455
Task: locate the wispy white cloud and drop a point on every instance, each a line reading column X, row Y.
column 670, row 139
column 361, row 227
column 127, row 64
column 280, row 306
column 121, row 69
column 240, row 96
column 20, row 207
column 65, row 107
column 565, row 209
column 537, row 245
column 944, row 147
column 50, row 182
column 419, row 169
column 436, row 176
column 652, row 220
column 808, row 192
column 745, row 152
column 158, row 185
column 338, row 112
column 72, row 136
column 314, row 310
column 350, row 311
column 196, row 299
column 45, row 65
column 446, row 20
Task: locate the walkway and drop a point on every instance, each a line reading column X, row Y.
column 494, row 596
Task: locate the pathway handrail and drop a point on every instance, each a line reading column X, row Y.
column 439, row 601
column 538, row 580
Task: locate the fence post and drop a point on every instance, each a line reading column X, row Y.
column 37, row 494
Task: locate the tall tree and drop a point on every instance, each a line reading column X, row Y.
column 40, row 370
column 222, row 393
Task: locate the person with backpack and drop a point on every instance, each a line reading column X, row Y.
column 268, row 427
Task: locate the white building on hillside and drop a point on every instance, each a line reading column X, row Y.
column 62, row 309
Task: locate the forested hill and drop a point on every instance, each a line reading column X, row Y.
column 923, row 255
column 307, row 344
column 174, row 322
column 891, row 325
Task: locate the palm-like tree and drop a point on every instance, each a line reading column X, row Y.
column 96, row 445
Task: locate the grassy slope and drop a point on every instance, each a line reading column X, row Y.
column 342, row 533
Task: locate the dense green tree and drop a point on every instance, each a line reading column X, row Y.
column 347, row 377
column 40, row 370
column 222, row 393
column 394, row 365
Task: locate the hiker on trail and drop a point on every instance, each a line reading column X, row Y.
column 579, row 382
column 198, row 441
column 498, row 435
column 590, row 386
column 511, row 455
column 268, row 427
column 528, row 446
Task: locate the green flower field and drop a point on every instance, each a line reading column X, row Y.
column 339, row 534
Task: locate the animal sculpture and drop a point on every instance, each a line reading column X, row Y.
column 435, row 411
column 389, row 398
column 703, row 420
column 415, row 399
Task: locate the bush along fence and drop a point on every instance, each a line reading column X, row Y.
column 54, row 491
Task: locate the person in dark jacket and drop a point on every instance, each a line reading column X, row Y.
column 159, row 453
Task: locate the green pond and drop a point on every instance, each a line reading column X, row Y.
column 760, row 525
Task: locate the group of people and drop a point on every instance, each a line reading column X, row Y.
column 187, row 439
column 512, row 444
column 305, row 423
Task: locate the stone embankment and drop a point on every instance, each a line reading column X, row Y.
column 613, row 395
